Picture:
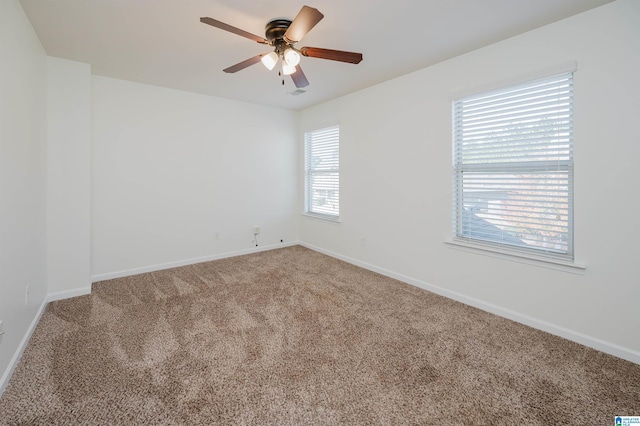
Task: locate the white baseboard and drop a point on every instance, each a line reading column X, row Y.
column 583, row 339
column 68, row 294
column 185, row 262
column 6, row 376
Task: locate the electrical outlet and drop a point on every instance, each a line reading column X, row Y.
column 1, row 330
column 256, row 230
column 216, row 236
column 26, row 295
column 363, row 242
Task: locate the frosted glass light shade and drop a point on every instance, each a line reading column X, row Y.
column 291, row 57
column 288, row 69
column 270, row 60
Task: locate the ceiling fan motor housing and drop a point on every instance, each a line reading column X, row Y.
column 274, row 31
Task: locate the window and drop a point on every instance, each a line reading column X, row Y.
column 513, row 168
column 322, row 173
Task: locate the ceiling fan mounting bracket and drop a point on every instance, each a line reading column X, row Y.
column 274, row 30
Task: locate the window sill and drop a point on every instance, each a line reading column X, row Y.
column 334, row 219
column 528, row 259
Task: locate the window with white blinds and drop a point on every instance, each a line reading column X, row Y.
column 322, row 172
column 513, row 167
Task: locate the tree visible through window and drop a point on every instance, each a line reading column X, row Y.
column 513, row 167
column 322, row 173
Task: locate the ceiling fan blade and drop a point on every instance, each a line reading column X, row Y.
column 238, row 31
column 304, row 21
column 333, row 55
column 244, row 64
column 299, row 79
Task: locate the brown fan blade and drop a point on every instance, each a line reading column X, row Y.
column 238, row 31
column 299, row 79
column 244, row 64
column 333, row 55
column 304, row 21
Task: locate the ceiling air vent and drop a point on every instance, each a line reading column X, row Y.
column 297, row 92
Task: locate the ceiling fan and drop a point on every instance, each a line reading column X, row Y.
column 283, row 34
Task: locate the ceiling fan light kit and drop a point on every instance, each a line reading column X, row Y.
column 288, row 69
column 291, row 57
column 282, row 35
column 270, row 60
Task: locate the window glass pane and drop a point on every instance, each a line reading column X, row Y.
column 322, row 174
column 526, row 210
column 513, row 167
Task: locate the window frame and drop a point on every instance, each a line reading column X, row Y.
column 329, row 134
column 496, row 247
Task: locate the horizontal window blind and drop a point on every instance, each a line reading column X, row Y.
column 513, row 167
column 322, row 172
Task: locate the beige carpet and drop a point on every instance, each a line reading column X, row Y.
column 291, row 336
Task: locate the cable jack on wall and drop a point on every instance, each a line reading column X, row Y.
column 256, row 232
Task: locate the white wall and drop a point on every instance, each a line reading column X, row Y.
column 68, row 177
column 172, row 169
column 396, row 181
column 135, row 177
column 22, row 178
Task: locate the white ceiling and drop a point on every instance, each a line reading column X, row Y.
column 163, row 42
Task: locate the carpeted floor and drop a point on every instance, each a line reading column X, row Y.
column 291, row 336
